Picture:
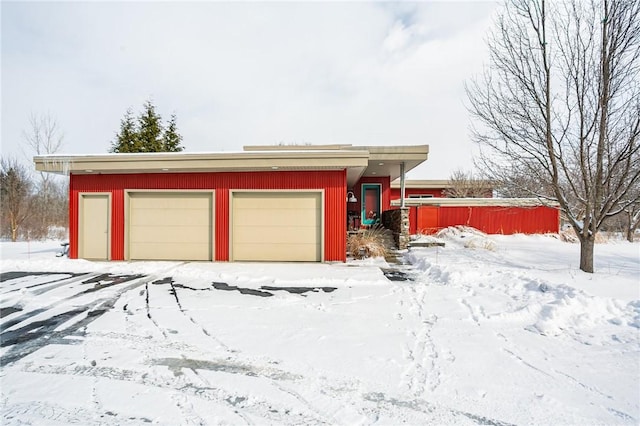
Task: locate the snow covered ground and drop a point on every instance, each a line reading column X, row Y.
column 489, row 330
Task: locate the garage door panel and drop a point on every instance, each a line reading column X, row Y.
column 188, row 251
column 276, row 217
column 277, row 252
column 277, row 226
column 152, row 200
column 170, row 226
column 260, row 235
column 169, row 234
column 246, row 201
column 167, row 217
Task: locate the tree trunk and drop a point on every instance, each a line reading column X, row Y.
column 586, row 254
column 14, row 227
column 632, row 225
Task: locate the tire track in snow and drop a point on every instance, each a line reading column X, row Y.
column 317, row 416
column 321, row 418
column 206, row 332
column 95, row 400
column 266, row 408
column 51, row 413
column 155, row 323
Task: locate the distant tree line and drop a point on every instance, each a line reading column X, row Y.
column 34, row 206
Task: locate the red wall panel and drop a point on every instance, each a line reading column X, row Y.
column 490, row 219
column 333, row 183
column 427, row 219
column 413, row 220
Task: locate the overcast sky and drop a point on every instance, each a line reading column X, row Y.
column 239, row 73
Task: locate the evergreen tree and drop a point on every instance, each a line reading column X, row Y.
column 171, row 139
column 150, row 129
column 147, row 134
column 127, row 139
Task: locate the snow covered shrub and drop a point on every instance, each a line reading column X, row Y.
column 372, row 242
column 467, row 236
column 459, row 231
column 480, row 243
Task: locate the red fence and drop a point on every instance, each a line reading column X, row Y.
column 488, row 219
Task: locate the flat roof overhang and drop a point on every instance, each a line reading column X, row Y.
column 387, row 160
column 370, row 161
column 383, row 160
column 355, row 162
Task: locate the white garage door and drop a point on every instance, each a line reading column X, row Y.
column 277, row 226
column 170, row 226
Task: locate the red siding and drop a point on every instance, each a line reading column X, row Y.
column 427, row 219
column 489, row 219
column 333, row 183
column 413, row 220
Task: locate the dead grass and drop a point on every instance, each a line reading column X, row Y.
column 569, row 236
column 372, row 242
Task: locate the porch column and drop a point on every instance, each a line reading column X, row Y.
column 403, row 238
column 402, row 206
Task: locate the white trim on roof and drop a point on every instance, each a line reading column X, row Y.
column 477, row 202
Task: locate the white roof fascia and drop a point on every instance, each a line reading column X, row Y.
column 201, row 162
column 477, row 202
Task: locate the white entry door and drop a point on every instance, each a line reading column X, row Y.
column 94, row 232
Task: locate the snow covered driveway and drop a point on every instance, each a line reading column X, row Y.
column 512, row 334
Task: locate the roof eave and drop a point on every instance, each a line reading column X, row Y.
column 181, row 162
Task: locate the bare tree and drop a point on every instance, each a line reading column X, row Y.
column 560, row 104
column 43, row 136
column 15, row 190
column 465, row 185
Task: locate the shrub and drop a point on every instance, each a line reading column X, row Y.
column 373, row 242
column 569, row 236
